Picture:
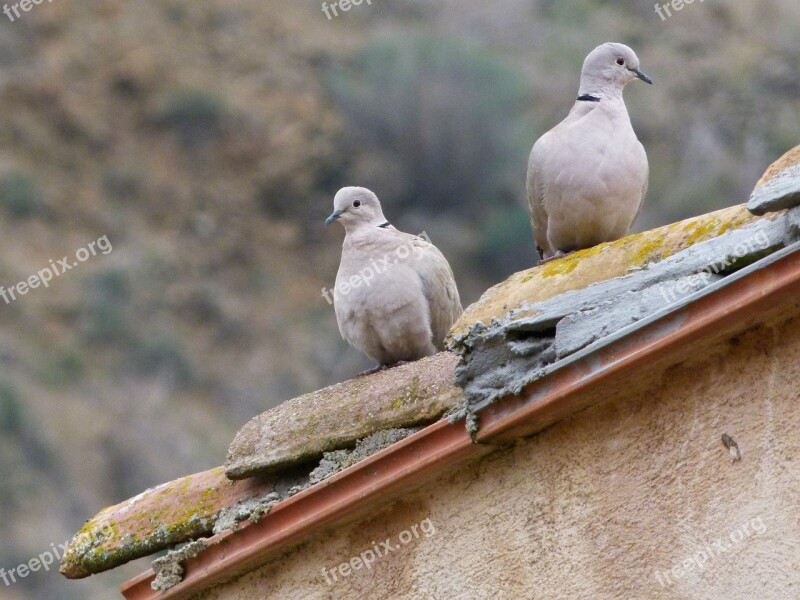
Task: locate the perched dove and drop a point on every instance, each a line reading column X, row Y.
column 588, row 175
column 395, row 295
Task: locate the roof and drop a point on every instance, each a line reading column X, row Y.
column 300, row 429
column 534, row 350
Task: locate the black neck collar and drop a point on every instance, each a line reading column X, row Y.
column 588, row 98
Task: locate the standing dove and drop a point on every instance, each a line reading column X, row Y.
column 395, row 296
column 587, row 176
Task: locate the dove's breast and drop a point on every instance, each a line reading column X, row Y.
column 380, row 306
column 597, row 175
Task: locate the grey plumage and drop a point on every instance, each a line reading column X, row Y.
column 587, row 176
column 395, row 296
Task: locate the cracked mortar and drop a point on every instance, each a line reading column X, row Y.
column 254, row 508
column 168, row 569
column 250, row 508
column 339, row 460
column 501, row 359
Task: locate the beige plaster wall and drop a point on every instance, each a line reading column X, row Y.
column 595, row 507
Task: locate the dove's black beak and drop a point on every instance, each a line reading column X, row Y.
column 643, row 76
column 334, row 216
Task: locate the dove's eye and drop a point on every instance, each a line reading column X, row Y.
column 356, row 203
column 621, row 62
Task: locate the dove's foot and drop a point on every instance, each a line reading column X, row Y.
column 558, row 254
column 379, row 368
column 373, row 370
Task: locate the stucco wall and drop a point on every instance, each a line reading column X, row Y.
column 598, row 505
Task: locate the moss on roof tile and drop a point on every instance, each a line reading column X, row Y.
column 156, row 519
column 302, row 429
column 600, row 263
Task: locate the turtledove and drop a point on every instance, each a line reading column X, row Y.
column 587, row 176
column 395, row 296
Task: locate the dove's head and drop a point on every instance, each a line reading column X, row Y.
column 609, row 68
column 356, row 207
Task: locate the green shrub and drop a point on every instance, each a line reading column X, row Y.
column 122, row 185
column 11, row 409
column 194, row 114
column 61, row 368
column 164, row 355
column 19, row 195
column 506, row 242
column 445, row 116
column 105, row 312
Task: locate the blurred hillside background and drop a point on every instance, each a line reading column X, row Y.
column 206, row 139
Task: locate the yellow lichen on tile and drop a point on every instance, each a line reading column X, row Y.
column 600, row 263
column 169, row 514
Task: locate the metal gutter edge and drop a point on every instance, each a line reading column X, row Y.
column 751, row 296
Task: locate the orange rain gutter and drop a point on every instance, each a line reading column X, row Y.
column 758, row 293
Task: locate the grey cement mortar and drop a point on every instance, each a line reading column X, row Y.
column 339, row 460
column 251, row 508
column 793, row 223
column 580, row 329
column 168, row 569
column 501, row 359
column 254, row 508
column 782, row 191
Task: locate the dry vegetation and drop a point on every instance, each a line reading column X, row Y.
column 206, row 140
